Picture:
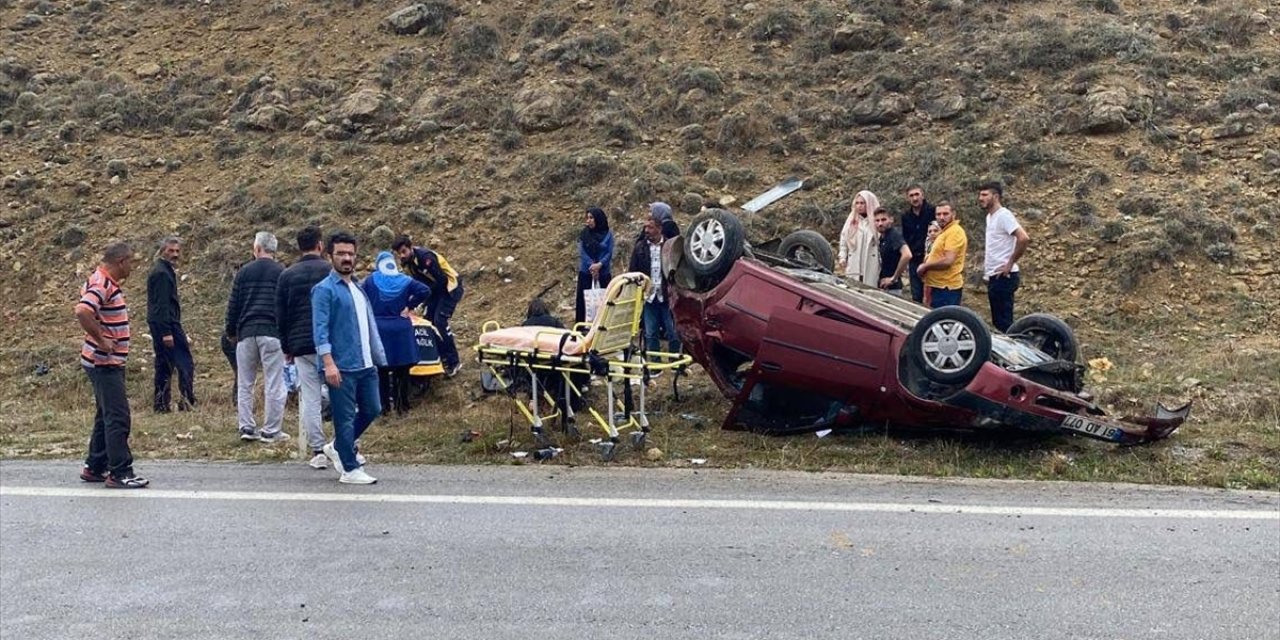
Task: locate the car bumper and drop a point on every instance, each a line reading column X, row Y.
column 1002, row 398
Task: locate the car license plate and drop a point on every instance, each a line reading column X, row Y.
column 1092, row 428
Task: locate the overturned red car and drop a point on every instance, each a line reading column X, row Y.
column 799, row 349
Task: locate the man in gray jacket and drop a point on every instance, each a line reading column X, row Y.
column 251, row 324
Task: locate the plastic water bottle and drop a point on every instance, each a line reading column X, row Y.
column 291, row 381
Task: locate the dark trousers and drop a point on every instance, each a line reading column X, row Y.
column 393, row 388
column 917, row 283
column 440, row 307
column 944, row 297
column 109, row 444
column 178, row 357
column 1000, row 290
column 229, row 350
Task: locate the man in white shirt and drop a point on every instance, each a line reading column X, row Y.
column 657, row 318
column 1006, row 240
column 350, row 349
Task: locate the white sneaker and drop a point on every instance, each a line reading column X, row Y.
column 320, row 461
column 332, row 454
column 357, row 476
column 360, row 458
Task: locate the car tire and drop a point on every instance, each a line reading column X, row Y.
column 714, row 241
column 808, row 248
column 949, row 345
column 1046, row 333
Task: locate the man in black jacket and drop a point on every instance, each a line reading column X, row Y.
column 293, row 311
column 164, row 319
column 915, row 227
column 251, row 323
column 431, row 269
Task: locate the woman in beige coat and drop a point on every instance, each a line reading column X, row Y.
column 859, row 256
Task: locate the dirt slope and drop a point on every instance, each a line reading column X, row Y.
column 1138, row 140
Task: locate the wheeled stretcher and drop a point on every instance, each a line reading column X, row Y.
column 607, row 349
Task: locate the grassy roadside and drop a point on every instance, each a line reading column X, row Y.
column 1232, row 441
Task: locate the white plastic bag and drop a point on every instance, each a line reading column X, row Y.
column 592, row 300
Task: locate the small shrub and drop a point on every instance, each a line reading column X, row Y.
column 704, row 78
column 740, row 131
column 548, row 25
column 1113, row 230
column 780, row 25
column 1038, row 162
column 1140, row 256
column 1190, row 162
column 1139, row 205
column 477, row 43
column 573, row 171
column 1220, row 252
column 1138, row 164
column 1105, row 6
column 740, row 177
column 507, row 139
column 1228, row 23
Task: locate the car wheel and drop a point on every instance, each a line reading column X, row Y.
column 714, row 242
column 949, row 345
column 1046, row 333
column 808, row 248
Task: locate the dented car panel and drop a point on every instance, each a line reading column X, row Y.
column 799, row 351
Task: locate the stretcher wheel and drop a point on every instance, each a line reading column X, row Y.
column 638, row 439
column 541, row 439
column 607, row 450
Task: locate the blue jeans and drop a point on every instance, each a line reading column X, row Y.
column 659, row 321
column 1000, row 294
column 355, row 404
column 944, row 297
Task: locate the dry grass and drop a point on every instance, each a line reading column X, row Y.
column 1233, row 439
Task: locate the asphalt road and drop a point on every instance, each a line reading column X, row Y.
column 282, row 551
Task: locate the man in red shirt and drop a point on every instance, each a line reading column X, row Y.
column 104, row 316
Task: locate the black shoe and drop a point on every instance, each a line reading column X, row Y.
column 89, row 475
column 127, row 482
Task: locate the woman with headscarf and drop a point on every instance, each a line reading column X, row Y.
column 392, row 294
column 859, row 256
column 595, row 252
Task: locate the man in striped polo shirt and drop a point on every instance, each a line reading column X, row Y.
column 104, row 316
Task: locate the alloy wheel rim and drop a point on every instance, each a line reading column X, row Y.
column 949, row 346
column 707, row 242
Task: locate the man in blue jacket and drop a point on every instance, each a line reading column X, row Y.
column 350, row 350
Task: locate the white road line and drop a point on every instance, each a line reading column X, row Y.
column 645, row 503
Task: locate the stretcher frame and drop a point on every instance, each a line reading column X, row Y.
column 611, row 351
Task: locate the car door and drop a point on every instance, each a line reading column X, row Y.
column 811, row 370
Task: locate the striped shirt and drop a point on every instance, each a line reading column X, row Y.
column 101, row 294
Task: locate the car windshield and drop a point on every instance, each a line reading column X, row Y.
column 905, row 314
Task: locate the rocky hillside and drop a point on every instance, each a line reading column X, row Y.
column 1138, row 140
